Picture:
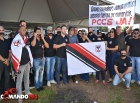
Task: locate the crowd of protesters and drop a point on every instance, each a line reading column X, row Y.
column 49, row 51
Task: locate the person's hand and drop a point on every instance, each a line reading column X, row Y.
column 42, row 36
column 35, row 34
column 44, row 58
column 134, row 18
column 107, row 48
column 121, row 76
column 63, row 44
column 85, row 36
column 6, row 62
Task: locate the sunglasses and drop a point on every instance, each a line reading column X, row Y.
column 136, row 32
column 111, row 31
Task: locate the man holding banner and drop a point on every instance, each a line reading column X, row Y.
column 61, row 61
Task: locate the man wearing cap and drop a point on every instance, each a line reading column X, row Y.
column 4, row 60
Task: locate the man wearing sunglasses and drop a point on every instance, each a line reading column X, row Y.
column 123, row 68
column 134, row 49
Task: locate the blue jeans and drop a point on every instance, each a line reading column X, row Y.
column 111, row 56
column 127, row 78
column 102, row 74
column 85, row 76
column 61, row 63
column 50, row 62
column 135, row 68
column 38, row 67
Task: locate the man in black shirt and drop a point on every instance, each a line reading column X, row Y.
column 123, row 68
column 37, row 48
column 49, row 53
column 134, row 49
column 4, row 60
column 61, row 61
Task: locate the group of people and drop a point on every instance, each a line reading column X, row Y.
column 49, row 51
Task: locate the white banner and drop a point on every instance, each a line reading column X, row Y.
column 85, row 57
column 112, row 15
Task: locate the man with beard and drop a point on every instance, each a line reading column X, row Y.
column 4, row 60
column 123, row 68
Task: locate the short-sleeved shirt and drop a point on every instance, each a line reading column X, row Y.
column 112, row 42
column 123, row 64
column 37, row 50
column 121, row 41
column 92, row 37
column 61, row 52
column 134, row 47
column 4, row 48
column 49, row 52
column 73, row 39
column 24, row 56
column 127, row 37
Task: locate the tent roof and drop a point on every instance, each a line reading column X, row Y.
column 47, row 12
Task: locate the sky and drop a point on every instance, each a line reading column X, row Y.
column 137, row 9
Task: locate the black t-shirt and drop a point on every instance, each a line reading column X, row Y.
column 49, row 52
column 134, row 47
column 127, row 37
column 37, row 50
column 24, row 56
column 92, row 37
column 123, row 64
column 83, row 41
column 61, row 52
column 79, row 37
column 4, row 48
column 112, row 42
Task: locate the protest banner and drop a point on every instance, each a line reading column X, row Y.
column 112, row 15
column 85, row 57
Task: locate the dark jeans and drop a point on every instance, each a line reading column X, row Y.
column 85, row 76
column 72, row 77
column 102, row 74
column 6, row 71
column 61, row 63
column 111, row 56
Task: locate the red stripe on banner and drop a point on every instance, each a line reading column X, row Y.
column 84, row 53
column 15, row 57
column 91, row 54
column 25, row 40
column 15, row 65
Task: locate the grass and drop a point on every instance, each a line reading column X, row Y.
column 45, row 96
column 80, row 93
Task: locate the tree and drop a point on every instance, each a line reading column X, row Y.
column 103, row 29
